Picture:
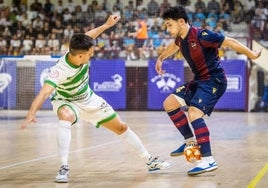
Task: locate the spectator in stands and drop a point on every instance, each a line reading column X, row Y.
column 119, row 6
column 164, row 6
column 212, row 21
column 67, row 16
column 153, row 8
column 260, row 17
column 38, row 24
column 58, row 29
column 4, row 20
column 64, row 46
column 116, row 11
column 214, row 14
column 100, row 16
column 84, row 7
column 68, row 31
column 198, row 22
column 213, row 5
column 31, row 32
column 200, row 4
column 102, row 47
column 27, row 45
column 129, row 42
column 46, row 30
column 249, row 10
column 119, row 31
column 127, row 13
column 70, row 5
column 24, row 20
column 140, row 36
column 227, row 5
column 40, row 43
column 199, row 16
column 153, row 43
column 15, row 46
column 58, row 10
column 140, row 5
column 225, row 19
column 48, row 8
column 3, row 5
column 54, row 44
column 131, row 5
column 106, row 6
column 3, row 45
column 238, row 12
column 37, row 6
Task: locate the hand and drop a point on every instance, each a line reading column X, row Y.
column 112, row 20
column 27, row 121
column 257, row 53
column 158, row 67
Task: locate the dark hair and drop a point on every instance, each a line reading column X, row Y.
column 175, row 13
column 80, row 42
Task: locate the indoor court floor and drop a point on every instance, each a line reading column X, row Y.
column 29, row 159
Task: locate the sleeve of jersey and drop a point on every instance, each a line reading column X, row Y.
column 55, row 76
column 210, row 39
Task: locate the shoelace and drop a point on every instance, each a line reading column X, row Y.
column 155, row 159
column 63, row 170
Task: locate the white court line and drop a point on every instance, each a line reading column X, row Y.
column 55, row 155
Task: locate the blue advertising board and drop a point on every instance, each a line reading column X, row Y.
column 235, row 97
column 160, row 86
column 8, row 72
column 41, row 73
column 108, row 80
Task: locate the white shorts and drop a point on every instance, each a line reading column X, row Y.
column 93, row 109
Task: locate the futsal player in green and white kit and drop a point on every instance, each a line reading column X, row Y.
column 72, row 98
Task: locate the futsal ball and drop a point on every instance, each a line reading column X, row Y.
column 192, row 153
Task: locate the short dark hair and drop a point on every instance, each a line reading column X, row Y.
column 80, row 42
column 175, row 13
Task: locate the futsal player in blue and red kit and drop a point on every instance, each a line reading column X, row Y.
column 199, row 47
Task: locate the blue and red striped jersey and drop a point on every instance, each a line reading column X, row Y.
column 200, row 50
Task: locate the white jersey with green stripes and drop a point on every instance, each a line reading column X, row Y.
column 71, row 82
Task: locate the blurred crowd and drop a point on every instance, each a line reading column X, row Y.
column 46, row 28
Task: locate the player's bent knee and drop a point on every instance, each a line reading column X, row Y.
column 171, row 103
column 122, row 128
column 65, row 113
column 194, row 113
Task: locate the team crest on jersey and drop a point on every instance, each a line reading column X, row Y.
column 204, row 33
column 193, row 44
column 54, row 74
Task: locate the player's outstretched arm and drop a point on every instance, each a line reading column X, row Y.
column 44, row 93
column 110, row 22
column 171, row 49
column 241, row 48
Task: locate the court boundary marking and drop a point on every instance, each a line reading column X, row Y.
column 56, row 155
column 258, row 177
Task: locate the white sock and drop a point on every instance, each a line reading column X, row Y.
column 64, row 140
column 133, row 140
column 192, row 139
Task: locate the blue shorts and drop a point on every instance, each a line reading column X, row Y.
column 203, row 94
